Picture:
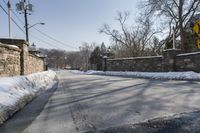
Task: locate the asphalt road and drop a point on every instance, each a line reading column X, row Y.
column 83, row 103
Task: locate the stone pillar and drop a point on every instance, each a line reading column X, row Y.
column 169, row 60
column 23, row 45
column 45, row 68
column 105, row 58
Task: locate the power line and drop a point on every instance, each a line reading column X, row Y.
column 4, row 2
column 64, row 44
column 32, row 35
column 15, row 14
column 21, row 28
column 18, row 17
column 44, row 33
column 12, row 19
column 54, row 39
column 45, row 42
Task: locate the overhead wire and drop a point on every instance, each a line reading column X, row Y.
column 45, row 42
column 23, row 23
column 12, row 19
column 46, row 35
column 15, row 14
column 54, row 38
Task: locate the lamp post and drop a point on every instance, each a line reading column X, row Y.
column 35, row 25
column 107, row 54
column 27, row 30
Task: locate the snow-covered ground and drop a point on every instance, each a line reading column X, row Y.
column 15, row 92
column 153, row 75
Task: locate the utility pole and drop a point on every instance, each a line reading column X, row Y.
column 9, row 19
column 25, row 8
column 26, row 22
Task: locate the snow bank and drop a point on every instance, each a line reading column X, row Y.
column 152, row 75
column 16, row 92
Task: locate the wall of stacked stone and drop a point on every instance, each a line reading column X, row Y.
column 24, row 62
column 35, row 64
column 171, row 60
column 142, row 64
column 188, row 62
column 9, row 60
column 23, row 45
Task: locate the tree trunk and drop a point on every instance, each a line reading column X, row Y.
column 182, row 31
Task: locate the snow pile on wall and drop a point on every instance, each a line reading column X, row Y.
column 152, row 75
column 16, row 92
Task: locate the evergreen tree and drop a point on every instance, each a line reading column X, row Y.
column 96, row 58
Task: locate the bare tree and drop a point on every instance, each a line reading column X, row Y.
column 85, row 51
column 178, row 13
column 134, row 39
column 74, row 60
column 55, row 58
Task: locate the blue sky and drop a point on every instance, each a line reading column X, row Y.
column 70, row 21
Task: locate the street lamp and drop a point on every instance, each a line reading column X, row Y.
column 35, row 25
column 27, row 29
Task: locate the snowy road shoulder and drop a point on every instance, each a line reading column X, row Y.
column 151, row 75
column 16, row 92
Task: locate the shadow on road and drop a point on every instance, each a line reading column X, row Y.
column 182, row 123
column 112, row 100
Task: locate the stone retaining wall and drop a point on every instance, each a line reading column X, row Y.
column 188, row 62
column 9, row 60
column 35, row 64
column 143, row 64
column 170, row 61
column 15, row 58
